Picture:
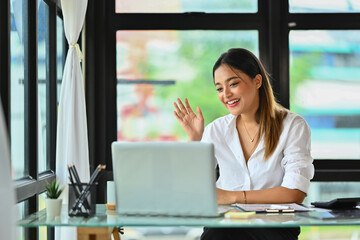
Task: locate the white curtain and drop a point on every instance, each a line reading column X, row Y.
column 72, row 137
column 7, row 193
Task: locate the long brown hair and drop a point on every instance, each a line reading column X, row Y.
column 271, row 114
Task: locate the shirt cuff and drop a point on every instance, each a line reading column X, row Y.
column 296, row 181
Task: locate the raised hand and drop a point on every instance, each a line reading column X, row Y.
column 193, row 125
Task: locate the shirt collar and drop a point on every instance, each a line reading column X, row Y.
column 231, row 124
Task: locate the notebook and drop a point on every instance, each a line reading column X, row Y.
column 164, row 178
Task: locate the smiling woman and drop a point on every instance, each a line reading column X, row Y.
column 262, row 149
column 259, row 109
column 230, row 83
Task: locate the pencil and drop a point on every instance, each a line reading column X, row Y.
column 85, row 193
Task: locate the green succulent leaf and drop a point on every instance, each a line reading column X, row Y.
column 53, row 190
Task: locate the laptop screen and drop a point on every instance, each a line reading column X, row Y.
column 164, row 178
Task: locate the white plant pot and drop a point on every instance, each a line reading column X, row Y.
column 53, row 207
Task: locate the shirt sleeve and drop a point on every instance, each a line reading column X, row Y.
column 206, row 137
column 297, row 162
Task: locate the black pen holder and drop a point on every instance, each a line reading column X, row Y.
column 82, row 199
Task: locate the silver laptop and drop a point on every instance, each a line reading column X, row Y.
column 165, row 178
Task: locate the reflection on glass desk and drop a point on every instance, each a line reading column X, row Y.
column 334, row 214
column 109, row 218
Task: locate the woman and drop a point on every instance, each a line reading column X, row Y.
column 262, row 149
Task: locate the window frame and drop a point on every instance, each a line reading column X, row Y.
column 101, row 95
column 273, row 21
column 328, row 169
column 29, row 187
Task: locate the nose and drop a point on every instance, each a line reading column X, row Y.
column 227, row 92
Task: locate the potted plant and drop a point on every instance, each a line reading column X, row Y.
column 53, row 202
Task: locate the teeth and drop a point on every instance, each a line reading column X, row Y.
column 234, row 101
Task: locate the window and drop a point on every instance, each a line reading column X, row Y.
column 173, row 6
column 325, row 191
column 323, row 65
column 155, row 53
column 324, row 86
column 17, row 89
column 60, row 59
column 42, row 80
column 156, row 67
column 164, row 52
column 284, row 44
column 21, row 214
column 324, row 6
column 42, row 230
column 29, row 55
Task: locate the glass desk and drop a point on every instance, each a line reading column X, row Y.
column 109, row 218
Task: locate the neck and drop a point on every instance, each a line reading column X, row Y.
column 250, row 127
column 250, row 118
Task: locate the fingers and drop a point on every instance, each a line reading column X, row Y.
column 182, row 107
column 178, row 117
column 181, row 110
column 199, row 113
column 178, row 111
column 188, row 108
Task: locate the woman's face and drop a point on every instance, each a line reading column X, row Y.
column 238, row 92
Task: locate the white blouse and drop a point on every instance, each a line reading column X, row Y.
column 289, row 166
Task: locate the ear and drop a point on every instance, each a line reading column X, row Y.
column 258, row 81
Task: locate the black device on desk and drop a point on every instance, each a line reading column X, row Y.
column 338, row 203
column 339, row 208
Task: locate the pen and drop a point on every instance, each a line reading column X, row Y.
column 85, row 192
column 270, row 210
column 78, row 185
column 76, row 175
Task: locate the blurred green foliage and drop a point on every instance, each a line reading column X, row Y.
column 300, row 72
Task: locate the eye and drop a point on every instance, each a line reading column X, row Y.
column 219, row 89
column 234, row 84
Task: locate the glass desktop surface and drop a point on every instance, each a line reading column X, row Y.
column 109, row 218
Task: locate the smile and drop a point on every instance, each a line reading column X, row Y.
column 233, row 101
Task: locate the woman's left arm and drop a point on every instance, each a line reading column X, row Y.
column 270, row 195
column 297, row 166
column 297, row 161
